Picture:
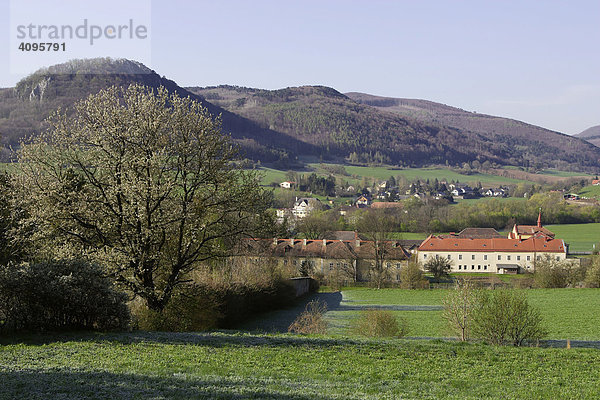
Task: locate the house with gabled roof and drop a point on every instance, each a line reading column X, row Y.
column 527, row 231
column 494, row 255
column 323, row 257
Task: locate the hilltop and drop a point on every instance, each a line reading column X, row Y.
column 24, row 108
column 592, row 135
column 366, row 128
column 279, row 127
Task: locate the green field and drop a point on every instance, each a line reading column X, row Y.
column 356, row 174
column 564, row 174
column 579, row 237
column 590, row 191
column 234, row 365
column 568, row 313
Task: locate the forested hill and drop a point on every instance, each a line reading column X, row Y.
column 370, row 128
column 24, row 107
column 532, row 142
column 277, row 126
column 592, row 135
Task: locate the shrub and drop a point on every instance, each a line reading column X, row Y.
column 411, row 277
column 59, row 295
column 439, row 267
column 592, row 276
column 505, row 317
column 311, row 320
column 380, row 323
column 551, row 274
column 203, row 306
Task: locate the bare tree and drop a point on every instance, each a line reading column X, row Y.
column 142, row 182
column 459, row 306
column 377, row 227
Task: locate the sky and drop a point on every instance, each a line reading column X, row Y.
column 534, row 61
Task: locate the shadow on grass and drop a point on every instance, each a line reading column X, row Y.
column 279, row 321
column 104, row 385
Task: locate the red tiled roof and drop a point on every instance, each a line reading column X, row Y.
column 341, row 249
column 534, row 244
column 533, row 229
column 386, row 204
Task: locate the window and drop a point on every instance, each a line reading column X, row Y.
column 485, row 257
column 479, row 267
column 424, row 256
column 518, row 258
column 460, row 266
column 295, row 262
column 472, row 267
column 557, row 258
column 472, row 256
column 460, row 256
column 528, row 258
column 485, row 267
column 508, row 258
column 449, row 257
column 499, row 258
column 337, row 265
column 330, row 266
column 539, row 258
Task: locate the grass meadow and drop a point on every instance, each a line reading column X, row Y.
column 568, row 313
column 590, row 191
column 234, row 365
column 357, row 173
column 580, row 237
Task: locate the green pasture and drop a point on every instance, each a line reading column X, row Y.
column 357, row 173
column 232, row 365
column 568, row 313
column 579, row 237
column 590, row 191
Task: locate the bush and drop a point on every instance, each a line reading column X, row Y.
column 439, row 267
column 59, row 295
column 411, row 277
column 551, row 274
column 592, row 276
column 505, row 317
column 205, row 306
column 311, row 320
column 380, row 323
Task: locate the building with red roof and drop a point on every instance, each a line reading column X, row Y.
column 495, row 255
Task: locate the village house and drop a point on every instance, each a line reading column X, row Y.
column 362, row 201
column 303, row 206
column 528, row 231
column 352, row 259
column 595, row 182
column 495, row 255
column 287, row 184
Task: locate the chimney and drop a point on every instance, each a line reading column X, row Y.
column 394, row 244
column 357, row 242
column 292, row 242
column 539, row 224
column 324, row 243
column 275, row 241
column 303, row 242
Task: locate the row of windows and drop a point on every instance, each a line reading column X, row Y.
column 465, row 267
column 485, row 257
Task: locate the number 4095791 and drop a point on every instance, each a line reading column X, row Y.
column 26, row 46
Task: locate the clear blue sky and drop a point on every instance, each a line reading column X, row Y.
column 535, row 61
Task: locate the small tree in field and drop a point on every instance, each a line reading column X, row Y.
column 459, row 306
column 505, row 317
column 142, row 182
column 439, row 267
column 411, row 276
